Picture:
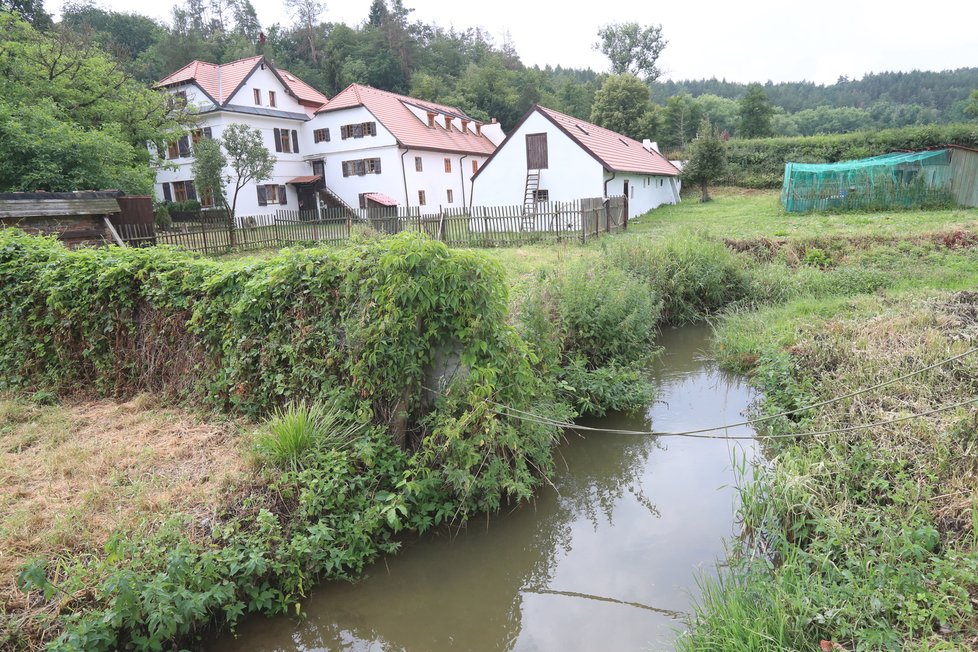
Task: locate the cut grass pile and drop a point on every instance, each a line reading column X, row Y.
column 73, row 474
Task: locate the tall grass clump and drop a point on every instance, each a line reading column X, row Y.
column 293, row 433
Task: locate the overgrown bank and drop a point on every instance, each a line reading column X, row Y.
column 364, row 329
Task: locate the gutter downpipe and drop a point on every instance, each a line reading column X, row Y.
column 407, row 201
column 607, row 181
column 461, row 174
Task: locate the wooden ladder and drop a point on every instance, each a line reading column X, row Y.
column 530, row 200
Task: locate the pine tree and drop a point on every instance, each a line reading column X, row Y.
column 755, row 113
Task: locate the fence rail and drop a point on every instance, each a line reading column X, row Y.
column 480, row 226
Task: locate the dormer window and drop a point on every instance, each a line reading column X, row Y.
column 257, row 93
column 271, row 98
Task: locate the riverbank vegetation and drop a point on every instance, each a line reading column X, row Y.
column 866, row 540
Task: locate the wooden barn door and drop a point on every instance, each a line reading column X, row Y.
column 536, row 152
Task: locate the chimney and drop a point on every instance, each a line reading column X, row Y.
column 478, row 129
column 493, row 121
column 448, row 123
column 465, row 126
column 651, row 146
column 431, row 119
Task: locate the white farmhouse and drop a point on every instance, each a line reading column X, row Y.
column 551, row 157
column 376, row 147
column 250, row 91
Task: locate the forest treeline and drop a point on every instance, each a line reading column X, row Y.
column 470, row 69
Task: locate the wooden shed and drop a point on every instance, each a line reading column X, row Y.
column 76, row 218
column 964, row 175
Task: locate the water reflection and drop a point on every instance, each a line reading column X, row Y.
column 604, row 559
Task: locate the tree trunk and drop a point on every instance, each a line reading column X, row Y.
column 706, row 193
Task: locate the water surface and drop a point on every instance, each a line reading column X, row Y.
column 605, row 559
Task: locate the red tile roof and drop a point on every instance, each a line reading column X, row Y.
column 382, row 199
column 307, row 179
column 392, row 111
column 616, row 152
column 220, row 82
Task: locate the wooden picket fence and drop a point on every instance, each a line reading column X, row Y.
column 480, row 226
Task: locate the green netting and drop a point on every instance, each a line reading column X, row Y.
column 892, row 180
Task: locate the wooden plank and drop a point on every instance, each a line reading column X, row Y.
column 57, row 207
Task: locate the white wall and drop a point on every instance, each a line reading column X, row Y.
column 388, row 182
column 287, row 166
column 265, row 80
column 436, row 182
column 573, row 173
column 645, row 192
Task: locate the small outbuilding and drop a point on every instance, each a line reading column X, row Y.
column 936, row 177
column 553, row 157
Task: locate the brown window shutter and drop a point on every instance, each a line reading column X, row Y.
column 376, row 166
column 295, row 141
column 327, row 134
column 278, row 140
column 166, row 192
column 282, row 197
column 262, row 201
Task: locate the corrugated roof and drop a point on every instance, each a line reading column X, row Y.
column 220, row 82
column 392, row 111
column 616, row 152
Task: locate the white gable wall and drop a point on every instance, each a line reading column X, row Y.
column 572, row 174
column 645, row 192
column 265, row 80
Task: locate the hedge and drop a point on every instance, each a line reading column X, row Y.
column 759, row 163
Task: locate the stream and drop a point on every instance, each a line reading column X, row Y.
column 605, row 559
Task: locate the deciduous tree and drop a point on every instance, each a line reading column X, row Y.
column 623, row 104
column 972, row 108
column 632, row 49
column 247, row 157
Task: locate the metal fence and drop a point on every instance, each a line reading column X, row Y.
column 480, row 226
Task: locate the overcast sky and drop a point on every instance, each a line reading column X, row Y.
column 755, row 40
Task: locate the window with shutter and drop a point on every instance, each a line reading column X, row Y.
column 207, row 133
column 166, row 192
column 418, row 164
column 184, row 146
column 421, row 198
column 191, row 191
column 262, row 197
column 179, row 191
column 361, row 168
column 286, row 143
column 448, row 165
column 295, row 141
column 172, row 150
column 271, row 98
column 278, row 140
column 370, row 128
column 257, row 94
column 450, row 195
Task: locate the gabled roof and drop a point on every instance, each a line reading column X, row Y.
column 617, row 153
column 221, row 81
column 392, row 111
